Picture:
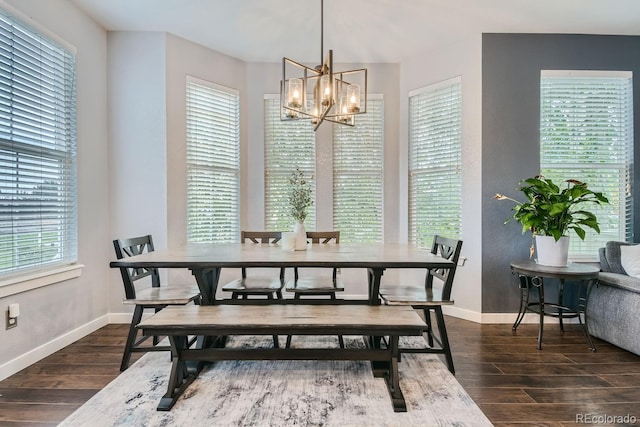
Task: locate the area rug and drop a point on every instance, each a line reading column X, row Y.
column 284, row 393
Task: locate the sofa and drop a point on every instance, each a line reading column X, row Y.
column 613, row 307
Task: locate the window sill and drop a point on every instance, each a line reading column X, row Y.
column 23, row 283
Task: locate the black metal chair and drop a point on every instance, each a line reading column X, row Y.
column 316, row 285
column 429, row 299
column 250, row 285
column 154, row 298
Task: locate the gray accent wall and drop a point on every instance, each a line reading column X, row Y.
column 511, row 65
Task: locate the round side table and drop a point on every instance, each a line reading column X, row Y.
column 532, row 276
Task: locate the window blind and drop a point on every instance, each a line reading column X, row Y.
column 287, row 145
column 38, row 189
column 586, row 133
column 435, row 146
column 357, row 175
column 213, row 162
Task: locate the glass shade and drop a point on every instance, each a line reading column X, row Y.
column 325, row 90
column 313, row 111
column 353, row 97
column 344, row 109
column 295, row 93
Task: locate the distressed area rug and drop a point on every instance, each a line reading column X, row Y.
column 284, row 393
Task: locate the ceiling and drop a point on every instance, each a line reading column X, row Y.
column 358, row 31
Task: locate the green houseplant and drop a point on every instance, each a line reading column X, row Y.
column 299, row 202
column 553, row 211
column 300, row 196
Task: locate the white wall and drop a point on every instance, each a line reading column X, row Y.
column 56, row 315
column 463, row 59
column 186, row 58
column 137, row 142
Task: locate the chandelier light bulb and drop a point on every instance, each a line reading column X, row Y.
column 353, row 93
column 295, row 89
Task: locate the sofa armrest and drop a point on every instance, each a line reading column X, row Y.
column 604, row 264
column 613, row 256
column 620, row 281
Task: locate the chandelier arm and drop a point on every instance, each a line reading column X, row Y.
column 321, row 31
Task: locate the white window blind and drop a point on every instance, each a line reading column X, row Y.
column 435, row 145
column 38, row 190
column 213, row 162
column 287, row 145
column 357, row 175
column 586, row 133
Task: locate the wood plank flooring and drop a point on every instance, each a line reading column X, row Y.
column 513, row 383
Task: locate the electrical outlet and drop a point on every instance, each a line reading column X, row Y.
column 12, row 322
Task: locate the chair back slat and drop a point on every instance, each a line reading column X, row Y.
column 448, row 249
column 323, row 236
column 125, row 248
column 261, row 237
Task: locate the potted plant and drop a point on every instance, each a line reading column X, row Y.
column 299, row 201
column 550, row 213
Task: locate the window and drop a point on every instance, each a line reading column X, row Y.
column 38, row 191
column 213, row 162
column 287, row 144
column 586, row 133
column 435, row 144
column 357, row 175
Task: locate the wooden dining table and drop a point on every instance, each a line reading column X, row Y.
column 205, row 261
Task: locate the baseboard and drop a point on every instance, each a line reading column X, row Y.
column 25, row 360
column 121, row 317
column 511, row 318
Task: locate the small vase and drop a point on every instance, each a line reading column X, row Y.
column 301, row 236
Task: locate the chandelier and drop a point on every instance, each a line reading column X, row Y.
column 322, row 93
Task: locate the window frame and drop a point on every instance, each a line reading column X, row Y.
column 51, row 137
column 355, row 170
column 203, row 170
column 274, row 173
column 585, row 130
column 433, row 167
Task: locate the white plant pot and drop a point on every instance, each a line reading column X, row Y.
column 552, row 253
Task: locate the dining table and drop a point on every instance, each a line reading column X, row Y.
column 206, row 260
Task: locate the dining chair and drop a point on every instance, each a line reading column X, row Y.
column 314, row 285
column 258, row 285
column 429, row 299
column 138, row 293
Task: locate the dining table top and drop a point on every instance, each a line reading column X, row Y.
column 215, row 255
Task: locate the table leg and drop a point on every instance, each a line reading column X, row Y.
column 539, row 283
column 560, row 303
column 207, row 280
column 524, row 300
column 374, row 275
column 585, row 325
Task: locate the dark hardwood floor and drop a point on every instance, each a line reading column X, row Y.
column 512, row 382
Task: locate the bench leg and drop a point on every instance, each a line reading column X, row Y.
column 392, row 378
column 181, row 375
column 131, row 337
column 378, row 367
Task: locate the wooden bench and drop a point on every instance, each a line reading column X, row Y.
column 220, row 321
